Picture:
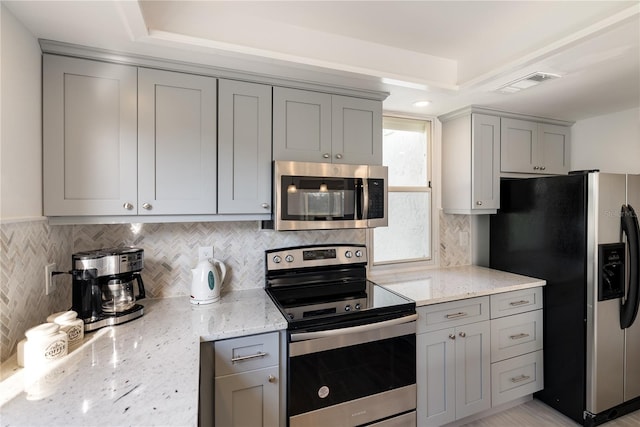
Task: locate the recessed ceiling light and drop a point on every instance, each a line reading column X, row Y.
column 421, row 103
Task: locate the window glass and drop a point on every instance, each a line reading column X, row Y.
column 406, row 153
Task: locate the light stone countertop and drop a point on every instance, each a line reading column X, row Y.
column 449, row 284
column 144, row 372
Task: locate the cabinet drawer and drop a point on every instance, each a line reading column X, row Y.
column 246, row 353
column 515, row 335
column 452, row 314
column 516, row 302
column 516, row 377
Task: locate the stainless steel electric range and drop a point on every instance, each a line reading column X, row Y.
column 351, row 343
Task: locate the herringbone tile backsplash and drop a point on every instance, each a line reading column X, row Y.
column 170, row 250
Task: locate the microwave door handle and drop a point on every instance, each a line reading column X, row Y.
column 365, row 198
column 629, row 226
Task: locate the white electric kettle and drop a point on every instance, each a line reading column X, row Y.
column 207, row 281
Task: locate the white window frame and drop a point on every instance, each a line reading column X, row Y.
column 432, row 170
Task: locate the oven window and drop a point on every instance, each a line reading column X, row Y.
column 326, row 378
column 319, row 199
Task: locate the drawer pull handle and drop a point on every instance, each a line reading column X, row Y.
column 245, row 358
column 517, row 303
column 518, row 336
column 456, row 315
column 520, row 378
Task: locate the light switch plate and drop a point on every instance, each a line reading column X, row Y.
column 205, row 252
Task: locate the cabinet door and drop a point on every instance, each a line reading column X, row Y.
column 301, row 125
column 176, row 143
column 486, row 162
column 518, row 152
column 436, row 377
column 357, row 131
column 248, row 399
column 473, row 369
column 554, row 148
column 89, row 137
column 244, row 147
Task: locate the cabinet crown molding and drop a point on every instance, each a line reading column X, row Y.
column 106, row 55
column 476, row 109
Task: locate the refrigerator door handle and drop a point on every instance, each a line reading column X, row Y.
column 629, row 226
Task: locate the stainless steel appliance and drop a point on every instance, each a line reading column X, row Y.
column 351, row 343
column 312, row 196
column 103, row 286
column 580, row 234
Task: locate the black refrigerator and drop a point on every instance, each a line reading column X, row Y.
column 580, row 233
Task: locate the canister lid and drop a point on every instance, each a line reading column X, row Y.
column 42, row 330
column 62, row 317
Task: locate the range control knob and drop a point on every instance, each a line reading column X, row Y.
column 277, row 259
column 289, row 258
column 357, row 306
column 358, row 253
column 348, row 254
column 347, row 307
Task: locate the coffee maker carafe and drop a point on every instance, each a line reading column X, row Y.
column 103, row 286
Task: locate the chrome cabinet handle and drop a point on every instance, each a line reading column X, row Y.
column 272, row 379
column 462, row 334
column 542, row 168
column 326, row 155
column 456, row 315
column 518, row 336
column 452, row 336
column 265, row 205
column 517, row 303
column 251, row 356
column 147, row 206
column 479, row 203
column 520, row 378
column 338, row 156
column 128, row 206
column 535, row 168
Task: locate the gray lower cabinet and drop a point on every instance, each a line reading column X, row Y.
column 176, row 143
column 318, row 127
column 247, row 381
column 453, row 361
column 89, row 137
column 516, row 344
column 244, row 147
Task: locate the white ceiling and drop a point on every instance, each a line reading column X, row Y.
column 454, row 53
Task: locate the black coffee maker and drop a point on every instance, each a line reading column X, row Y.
column 103, row 286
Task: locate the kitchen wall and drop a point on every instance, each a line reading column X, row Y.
column 610, row 143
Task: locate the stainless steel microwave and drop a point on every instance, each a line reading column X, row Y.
column 321, row 196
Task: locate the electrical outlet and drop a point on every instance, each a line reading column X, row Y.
column 49, row 284
column 205, row 252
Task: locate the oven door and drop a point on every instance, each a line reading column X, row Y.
column 352, row 376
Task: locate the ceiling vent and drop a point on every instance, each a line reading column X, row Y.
column 526, row 82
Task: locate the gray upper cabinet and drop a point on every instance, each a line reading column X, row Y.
column 176, row 143
column 244, row 147
column 471, row 164
column 356, row 130
column 534, row 148
column 318, row 127
column 89, row 137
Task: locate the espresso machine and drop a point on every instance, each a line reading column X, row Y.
column 103, row 286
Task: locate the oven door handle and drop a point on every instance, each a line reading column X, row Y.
column 301, row 336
